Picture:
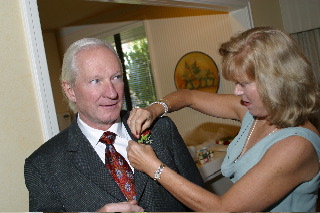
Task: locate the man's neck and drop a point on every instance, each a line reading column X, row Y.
column 99, row 126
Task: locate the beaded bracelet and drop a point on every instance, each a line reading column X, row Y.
column 166, row 102
column 157, row 174
column 166, row 109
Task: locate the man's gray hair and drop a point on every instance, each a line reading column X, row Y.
column 69, row 64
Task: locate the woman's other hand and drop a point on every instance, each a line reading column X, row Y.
column 143, row 158
column 139, row 120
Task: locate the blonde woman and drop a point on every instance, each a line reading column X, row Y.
column 274, row 160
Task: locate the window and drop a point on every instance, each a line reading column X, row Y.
column 132, row 47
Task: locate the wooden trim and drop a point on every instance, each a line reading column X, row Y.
column 221, row 5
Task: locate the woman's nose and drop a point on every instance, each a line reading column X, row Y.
column 238, row 90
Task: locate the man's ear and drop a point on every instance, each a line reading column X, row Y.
column 69, row 91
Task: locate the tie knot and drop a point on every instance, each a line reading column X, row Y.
column 108, row 137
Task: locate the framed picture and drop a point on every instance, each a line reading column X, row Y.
column 197, row 71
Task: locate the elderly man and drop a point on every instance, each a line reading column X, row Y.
column 84, row 168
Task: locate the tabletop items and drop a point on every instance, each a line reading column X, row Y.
column 204, row 155
column 224, row 141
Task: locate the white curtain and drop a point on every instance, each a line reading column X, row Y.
column 310, row 43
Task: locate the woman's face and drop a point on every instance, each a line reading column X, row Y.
column 250, row 98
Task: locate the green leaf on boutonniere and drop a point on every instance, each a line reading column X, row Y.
column 145, row 137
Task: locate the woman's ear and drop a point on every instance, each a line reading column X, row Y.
column 69, row 91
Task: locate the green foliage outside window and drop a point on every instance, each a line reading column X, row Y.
column 139, row 74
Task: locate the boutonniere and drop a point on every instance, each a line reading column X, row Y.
column 145, row 137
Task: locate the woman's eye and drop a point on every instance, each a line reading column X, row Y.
column 242, row 83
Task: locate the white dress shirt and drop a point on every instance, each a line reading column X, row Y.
column 93, row 135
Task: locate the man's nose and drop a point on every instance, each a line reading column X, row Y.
column 109, row 91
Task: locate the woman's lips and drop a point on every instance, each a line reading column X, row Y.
column 245, row 103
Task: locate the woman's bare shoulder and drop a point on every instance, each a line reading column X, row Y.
column 294, row 155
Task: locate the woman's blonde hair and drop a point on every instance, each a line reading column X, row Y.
column 282, row 73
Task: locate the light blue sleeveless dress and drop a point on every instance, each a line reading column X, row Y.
column 304, row 197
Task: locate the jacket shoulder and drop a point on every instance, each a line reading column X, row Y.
column 52, row 147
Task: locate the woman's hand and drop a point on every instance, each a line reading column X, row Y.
column 139, row 120
column 143, row 158
column 131, row 206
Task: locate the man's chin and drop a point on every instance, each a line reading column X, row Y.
column 110, row 118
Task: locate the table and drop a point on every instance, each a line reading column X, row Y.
column 212, row 168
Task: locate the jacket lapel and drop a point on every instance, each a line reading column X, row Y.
column 140, row 178
column 87, row 161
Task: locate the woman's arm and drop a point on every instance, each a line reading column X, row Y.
column 278, row 172
column 217, row 105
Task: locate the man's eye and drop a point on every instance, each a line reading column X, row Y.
column 95, row 81
column 117, row 77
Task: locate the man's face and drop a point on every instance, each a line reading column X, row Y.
column 98, row 90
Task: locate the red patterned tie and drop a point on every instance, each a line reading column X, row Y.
column 118, row 167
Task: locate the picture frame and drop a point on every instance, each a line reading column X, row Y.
column 197, row 71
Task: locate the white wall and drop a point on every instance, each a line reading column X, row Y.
column 290, row 15
column 300, row 15
column 169, row 40
column 20, row 126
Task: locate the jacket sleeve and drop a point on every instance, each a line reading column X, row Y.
column 41, row 196
column 182, row 158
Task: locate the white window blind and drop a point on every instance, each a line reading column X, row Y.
column 137, row 66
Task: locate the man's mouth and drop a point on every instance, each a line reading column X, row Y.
column 108, row 105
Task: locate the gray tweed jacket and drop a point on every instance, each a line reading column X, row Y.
column 66, row 174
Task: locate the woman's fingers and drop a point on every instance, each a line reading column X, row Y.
column 132, row 122
column 139, row 120
column 142, row 157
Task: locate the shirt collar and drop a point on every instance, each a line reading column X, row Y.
column 93, row 135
